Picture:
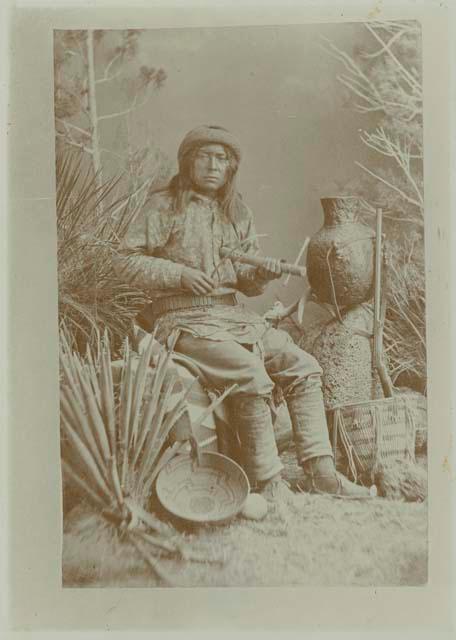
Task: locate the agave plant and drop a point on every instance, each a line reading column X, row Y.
column 115, row 439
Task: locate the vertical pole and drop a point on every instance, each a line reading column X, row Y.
column 378, row 364
column 377, row 286
column 93, row 109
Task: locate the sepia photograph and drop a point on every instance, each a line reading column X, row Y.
column 241, row 268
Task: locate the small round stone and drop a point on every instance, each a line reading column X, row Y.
column 255, row 507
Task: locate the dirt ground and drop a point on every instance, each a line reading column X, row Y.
column 317, row 541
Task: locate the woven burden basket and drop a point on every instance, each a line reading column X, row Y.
column 377, row 431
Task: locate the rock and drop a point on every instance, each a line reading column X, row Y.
column 255, row 507
column 346, row 359
column 401, row 480
column 310, row 334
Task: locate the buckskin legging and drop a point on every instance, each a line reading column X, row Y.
column 222, row 364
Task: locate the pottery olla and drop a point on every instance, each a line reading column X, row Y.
column 340, row 256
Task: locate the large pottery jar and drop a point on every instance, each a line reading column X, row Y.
column 342, row 251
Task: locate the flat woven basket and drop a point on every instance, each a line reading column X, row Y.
column 367, row 433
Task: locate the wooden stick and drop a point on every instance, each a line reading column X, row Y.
column 378, row 362
column 298, row 259
column 257, row 261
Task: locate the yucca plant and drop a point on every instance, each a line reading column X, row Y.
column 90, row 293
column 113, row 440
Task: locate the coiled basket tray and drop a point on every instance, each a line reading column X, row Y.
column 213, row 491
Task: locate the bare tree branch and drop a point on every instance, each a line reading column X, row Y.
column 132, row 107
column 390, row 185
column 116, row 114
column 382, row 143
column 353, row 68
column 359, row 84
column 107, row 76
column 113, row 153
column 390, row 42
column 73, row 143
column 407, row 76
column 66, row 124
column 72, row 52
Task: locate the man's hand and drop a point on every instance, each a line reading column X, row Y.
column 271, row 270
column 196, row 281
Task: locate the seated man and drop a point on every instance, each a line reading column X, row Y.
column 172, row 252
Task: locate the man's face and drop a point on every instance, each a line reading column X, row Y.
column 210, row 168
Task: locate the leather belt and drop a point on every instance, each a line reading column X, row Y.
column 176, row 303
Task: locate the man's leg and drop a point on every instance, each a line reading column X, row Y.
column 222, row 364
column 299, row 375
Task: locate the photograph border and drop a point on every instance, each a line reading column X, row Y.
column 36, row 598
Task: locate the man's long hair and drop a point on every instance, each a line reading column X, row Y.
column 182, row 186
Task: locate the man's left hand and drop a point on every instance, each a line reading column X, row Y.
column 271, row 269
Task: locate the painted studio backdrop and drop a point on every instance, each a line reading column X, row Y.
column 321, row 111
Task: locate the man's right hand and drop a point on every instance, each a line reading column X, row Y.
column 196, row 281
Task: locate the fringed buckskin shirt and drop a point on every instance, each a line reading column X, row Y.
column 160, row 243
